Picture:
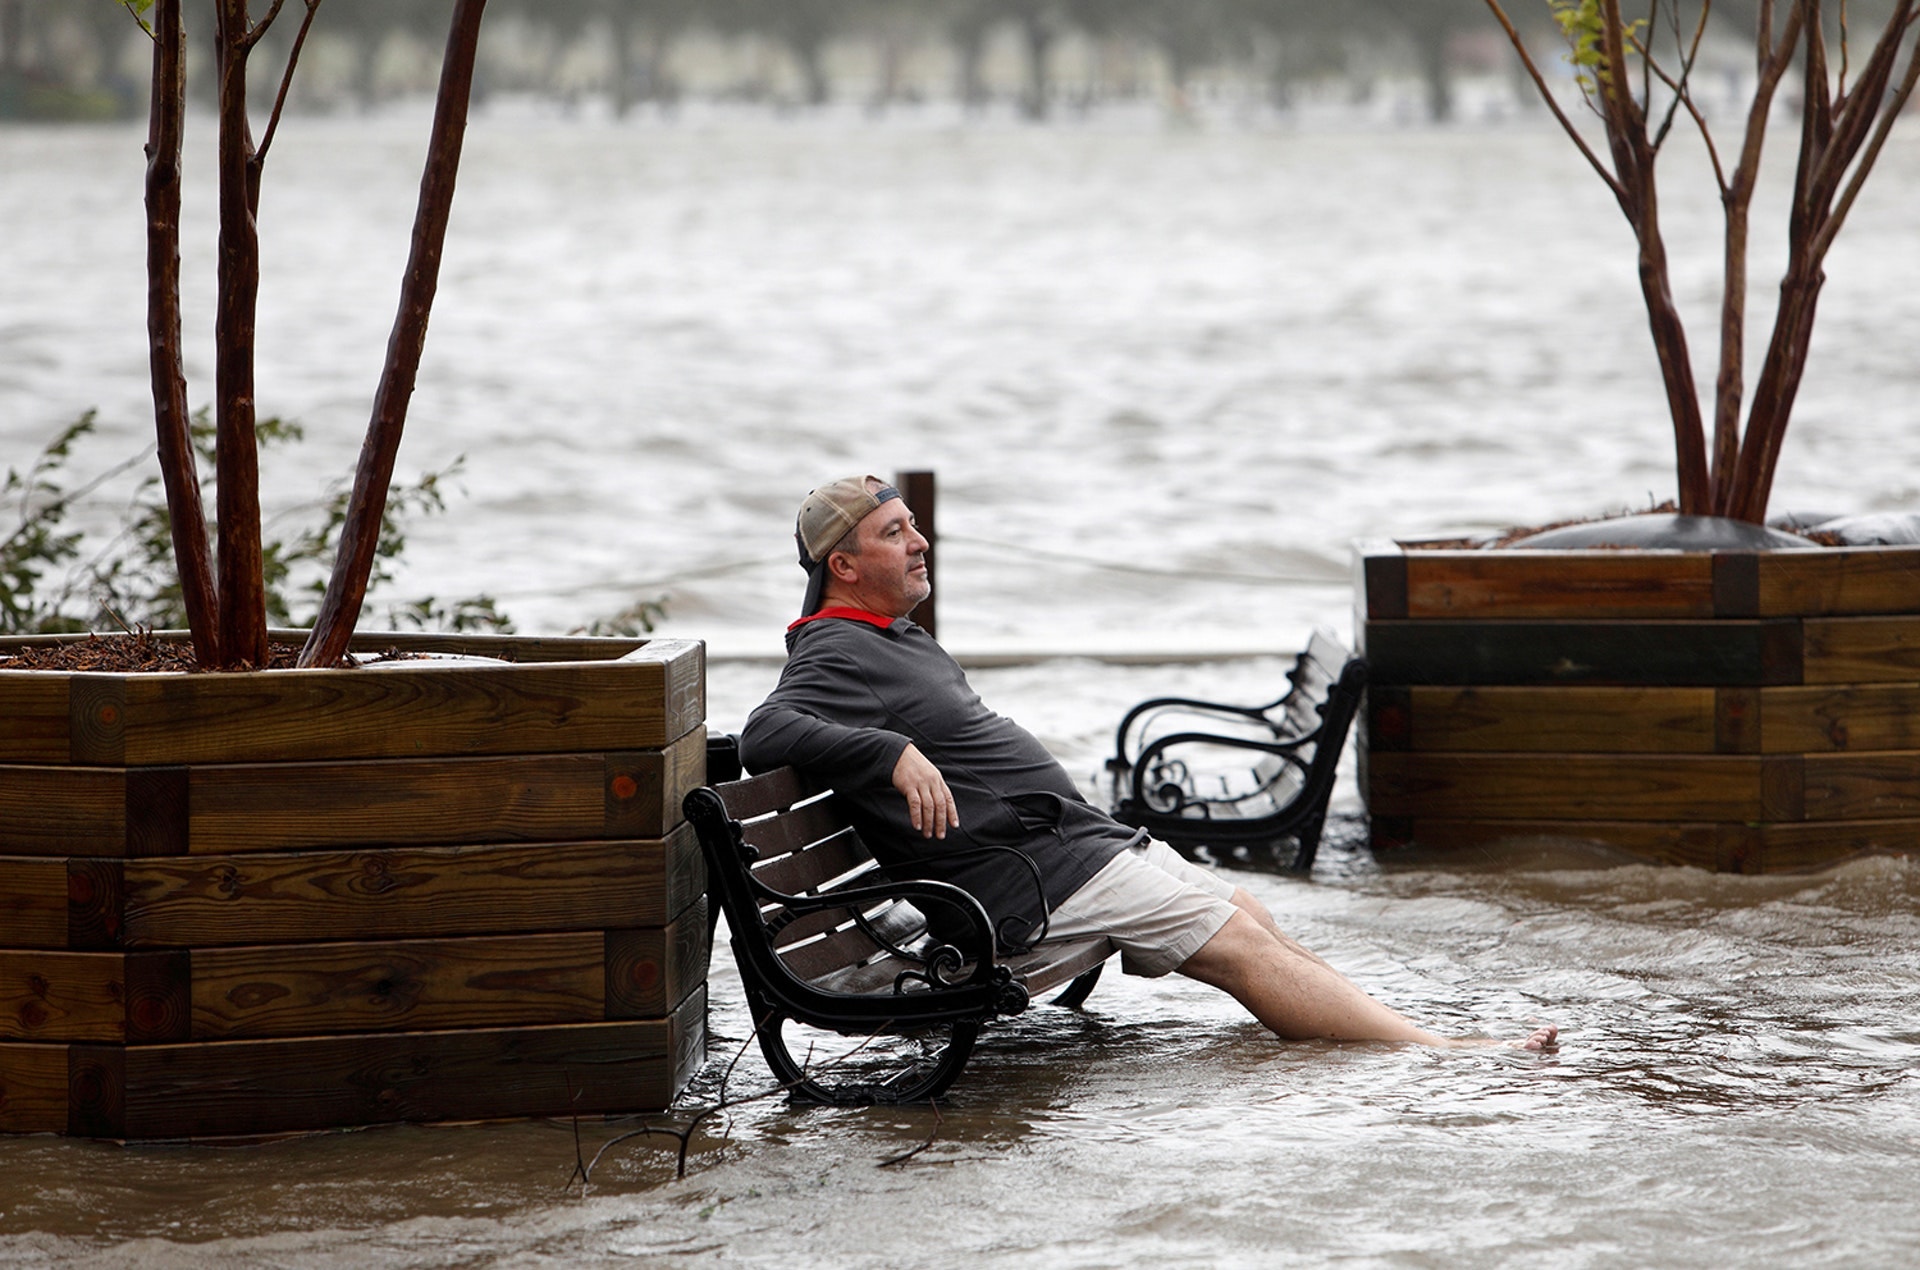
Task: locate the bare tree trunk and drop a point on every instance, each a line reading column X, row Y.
column 1037, row 33
column 622, row 29
column 1736, row 196
column 1430, row 40
column 1676, row 361
column 11, row 39
column 242, row 591
column 360, row 535
column 178, row 472
column 809, row 52
column 970, row 53
column 1634, row 155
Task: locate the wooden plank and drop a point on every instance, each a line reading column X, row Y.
column 33, row 704
column 1563, row 719
column 33, row 1088
column 1680, row 787
column 833, row 951
column 768, row 792
column 789, row 831
column 814, row 867
column 511, row 648
column 1820, row 844
column 1840, row 581
column 1841, row 717
column 275, row 806
column 1724, row 847
column 649, row 969
column 33, row 903
column 1862, row 786
column 1862, row 649
column 1380, row 580
column 96, row 1090
column 514, row 648
column 1667, row 654
column 408, row 709
column 403, row 892
column 1482, row 585
column 402, row 985
column 221, row 1088
column 62, row 996
column 96, row 901
column 541, row 797
column 49, row 810
column 314, row 989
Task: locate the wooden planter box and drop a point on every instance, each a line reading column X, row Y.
column 429, row 890
column 1744, row 712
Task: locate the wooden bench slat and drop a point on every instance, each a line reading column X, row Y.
column 805, row 830
column 790, row 830
column 835, row 951
column 771, row 791
column 807, row 925
column 811, row 867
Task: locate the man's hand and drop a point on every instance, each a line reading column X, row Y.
column 929, row 801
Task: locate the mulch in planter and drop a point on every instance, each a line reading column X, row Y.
column 141, row 653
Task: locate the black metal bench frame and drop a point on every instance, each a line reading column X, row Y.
column 1153, row 785
column 825, row 940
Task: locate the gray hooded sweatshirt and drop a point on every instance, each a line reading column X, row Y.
column 856, row 690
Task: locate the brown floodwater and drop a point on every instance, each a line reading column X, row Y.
column 1736, row 1085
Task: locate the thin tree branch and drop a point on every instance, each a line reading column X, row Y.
column 1869, row 107
column 258, row 29
column 286, row 82
column 684, row 1135
column 1892, row 112
column 1683, row 98
column 360, row 534
column 938, row 1122
column 174, row 430
column 1774, row 61
column 242, row 593
column 1683, row 87
column 1844, row 47
column 1546, row 95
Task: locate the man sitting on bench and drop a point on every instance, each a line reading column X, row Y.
column 869, row 703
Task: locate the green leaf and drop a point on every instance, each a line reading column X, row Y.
column 138, row 8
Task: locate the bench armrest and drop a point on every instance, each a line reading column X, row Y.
column 1285, row 750
column 1139, row 714
column 940, row 961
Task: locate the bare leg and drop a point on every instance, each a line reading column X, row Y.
column 1252, row 907
column 1300, row 997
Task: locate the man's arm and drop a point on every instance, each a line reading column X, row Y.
column 824, row 719
column 930, row 803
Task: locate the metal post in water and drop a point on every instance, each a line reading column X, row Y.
column 917, row 489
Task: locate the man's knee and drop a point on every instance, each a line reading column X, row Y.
column 1234, row 951
column 1244, row 900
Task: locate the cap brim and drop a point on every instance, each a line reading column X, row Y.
column 816, row 590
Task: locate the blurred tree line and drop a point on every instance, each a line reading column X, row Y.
column 81, row 58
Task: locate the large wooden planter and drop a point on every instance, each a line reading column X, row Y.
column 1743, row 712
column 430, row 890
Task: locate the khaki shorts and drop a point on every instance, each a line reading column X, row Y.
column 1157, row 908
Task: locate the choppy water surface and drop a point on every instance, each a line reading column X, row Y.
column 1165, row 376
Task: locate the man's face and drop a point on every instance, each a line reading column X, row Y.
column 891, row 569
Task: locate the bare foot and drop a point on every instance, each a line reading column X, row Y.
column 1543, row 1040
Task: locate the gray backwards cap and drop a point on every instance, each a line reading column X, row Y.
column 827, row 515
